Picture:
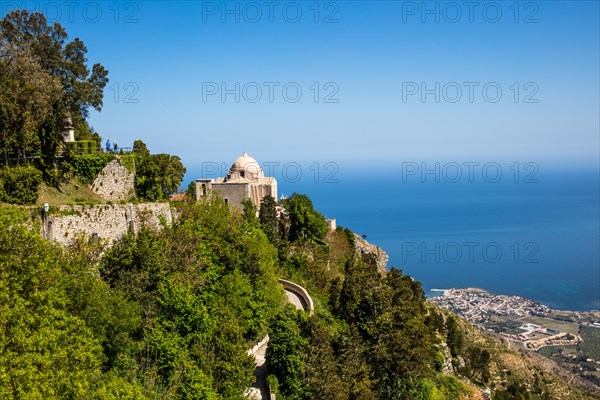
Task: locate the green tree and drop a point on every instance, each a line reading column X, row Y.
column 268, row 218
column 206, row 287
column 478, row 361
column 19, row 184
column 27, row 95
column 157, row 175
column 191, row 191
column 114, row 320
column 455, row 337
column 405, row 350
column 249, row 212
column 140, row 148
column 305, row 221
column 35, row 116
column 336, row 366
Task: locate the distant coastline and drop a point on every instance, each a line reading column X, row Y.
column 433, row 293
column 568, row 338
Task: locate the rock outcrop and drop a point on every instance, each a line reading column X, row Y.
column 363, row 247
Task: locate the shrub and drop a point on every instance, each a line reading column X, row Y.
column 82, row 147
column 88, row 166
column 128, row 161
column 88, row 146
column 19, row 185
column 273, row 384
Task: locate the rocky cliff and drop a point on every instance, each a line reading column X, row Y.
column 363, row 247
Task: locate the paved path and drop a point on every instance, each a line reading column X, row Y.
column 296, row 300
column 259, row 391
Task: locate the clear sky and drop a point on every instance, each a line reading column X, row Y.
column 379, row 80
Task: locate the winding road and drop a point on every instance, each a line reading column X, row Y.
column 296, row 300
column 297, row 296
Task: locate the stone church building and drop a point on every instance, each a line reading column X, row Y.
column 245, row 180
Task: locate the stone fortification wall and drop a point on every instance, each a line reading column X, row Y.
column 115, row 182
column 106, row 221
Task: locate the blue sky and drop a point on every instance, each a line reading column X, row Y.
column 374, row 58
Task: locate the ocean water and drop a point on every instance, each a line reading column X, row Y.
column 538, row 238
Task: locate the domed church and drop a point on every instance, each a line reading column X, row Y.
column 245, row 180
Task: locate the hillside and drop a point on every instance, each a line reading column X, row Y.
column 169, row 313
column 512, row 366
column 401, row 346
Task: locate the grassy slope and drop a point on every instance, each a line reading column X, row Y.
column 73, row 192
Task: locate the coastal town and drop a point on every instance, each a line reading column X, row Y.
column 516, row 317
column 568, row 337
column 475, row 305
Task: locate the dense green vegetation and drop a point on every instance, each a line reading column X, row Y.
column 157, row 175
column 19, row 185
column 371, row 337
column 171, row 315
column 88, row 166
column 167, row 315
column 305, row 221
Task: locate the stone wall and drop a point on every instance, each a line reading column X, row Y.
column 331, row 224
column 363, row 247
column 115, row 182
column 300, row 292
column 233, row 193
column 106, row 221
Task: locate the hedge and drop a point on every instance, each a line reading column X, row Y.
column 19, row 185
column 88, row 166
column 83, row 147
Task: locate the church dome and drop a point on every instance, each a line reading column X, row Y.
column 245, row 167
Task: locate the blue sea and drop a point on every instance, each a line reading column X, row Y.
column 534, row 234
